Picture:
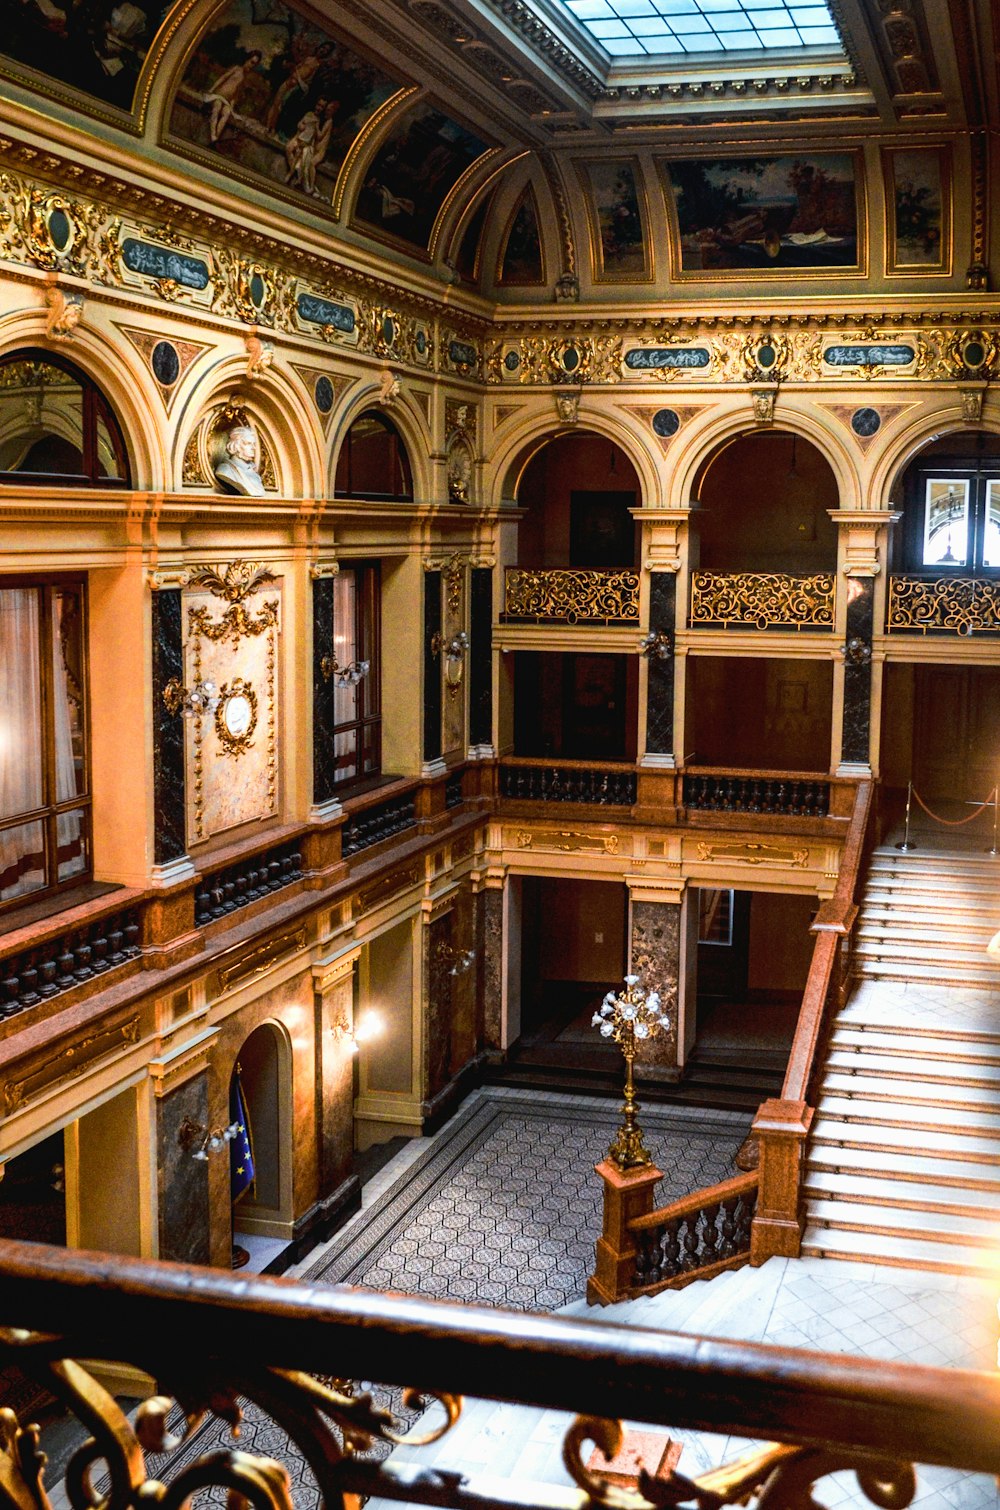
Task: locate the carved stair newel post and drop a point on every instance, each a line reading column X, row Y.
column 781, row 1129
column 628, row 1193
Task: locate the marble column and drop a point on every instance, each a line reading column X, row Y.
column 660, row 688
column 324, row 717
column 491, row 961
column 182, row 1181
column 655, row 954
column 432, row 668
column 438, row 981
column 481, row 658
column 855, row 745
column 168, row 729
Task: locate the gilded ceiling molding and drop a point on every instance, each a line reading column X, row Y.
column 523, row 19
column 489, row 164
column 503, row 72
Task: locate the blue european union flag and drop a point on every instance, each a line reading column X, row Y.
column 241, row 1173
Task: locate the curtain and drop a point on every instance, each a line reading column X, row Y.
column 345, row 649
column 22, row 848
column 69, row 826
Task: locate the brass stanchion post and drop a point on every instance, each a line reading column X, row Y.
column 905, row 844
column 994, row 850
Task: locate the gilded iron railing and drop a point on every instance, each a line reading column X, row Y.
column 762, row 600
column 694, row 1238
column 782, row 794
column 213, row 1342
column 961, row 605
column 568, row 781
column 568, row 596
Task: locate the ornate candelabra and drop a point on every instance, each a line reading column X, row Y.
column 629, row 1018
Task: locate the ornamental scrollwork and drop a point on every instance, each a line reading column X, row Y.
column 569, row 596
column 768, row 600
column 964, row 605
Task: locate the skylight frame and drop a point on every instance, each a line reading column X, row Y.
column 644, row 31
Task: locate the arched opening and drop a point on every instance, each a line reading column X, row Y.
column 763, row 506
column 56, row 426
column 940, row 712
column 373, row 462
column 260, row 1157
column 578, row 547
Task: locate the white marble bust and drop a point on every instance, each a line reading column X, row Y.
column 237, row 471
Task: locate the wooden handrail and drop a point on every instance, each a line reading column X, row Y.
column 175, row 1319
column 556, row 762
column 688, row 1205
column 692, row 768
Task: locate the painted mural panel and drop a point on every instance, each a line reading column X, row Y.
column 521, row 259
column 917, row 210
column 617, row 222
column 792, row 212
column 96, row 46
column 276, row 96
column 413, row 173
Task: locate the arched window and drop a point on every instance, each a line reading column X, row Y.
column 373, row 462
column 56, row 427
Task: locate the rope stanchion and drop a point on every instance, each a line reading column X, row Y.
column 956, row 822
column 905, row 844
column 993, row 800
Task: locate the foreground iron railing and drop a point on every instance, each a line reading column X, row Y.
column 213, row 1342
column 762, row 600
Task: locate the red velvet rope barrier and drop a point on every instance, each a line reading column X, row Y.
column 956, row 822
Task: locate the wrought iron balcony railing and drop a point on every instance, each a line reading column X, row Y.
column 571, row 596
column 214, row 1342
column 762, row 600
column 945, row 605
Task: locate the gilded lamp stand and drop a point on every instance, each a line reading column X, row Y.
column 629, row 1018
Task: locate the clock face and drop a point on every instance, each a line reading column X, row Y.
column 237, row 715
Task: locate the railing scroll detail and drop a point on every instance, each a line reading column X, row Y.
column 568, row 596
column 963, row 605
column 762, row 600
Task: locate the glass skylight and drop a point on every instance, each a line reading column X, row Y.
column 630, row 28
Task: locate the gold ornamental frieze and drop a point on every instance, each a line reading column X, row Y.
column 70, row 1062
column 780, row 857
column 762, row 600
column 569, row 597
column 259, row 959
column 963, row 605
column 568, row 841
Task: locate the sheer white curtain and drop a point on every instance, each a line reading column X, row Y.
column 22, row 853
column 345, row 649
column 71, row 858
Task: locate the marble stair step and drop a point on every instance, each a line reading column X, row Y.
column 946, row 886
column 925, row 1141
column 903, row 1252
column 941, row 1118
column 862, row 1063
column 976, row 900
column 960, row 931
column 894, row 946
column 964, row 1043
column 869, row 1086
column 933, row 974
column 886, row 1190
column 929, row 1226
column 924, row 1168
column 919, row 861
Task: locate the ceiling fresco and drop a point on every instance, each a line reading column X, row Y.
column 96, row 48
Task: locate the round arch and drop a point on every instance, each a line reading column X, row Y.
column 125, row 384
column 926, row 426
column 265, row 1066
column 274, row 399
column 505, row 468
column 404, row 417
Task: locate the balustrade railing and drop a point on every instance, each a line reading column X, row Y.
column 955, row 605
column 695, row 1237
column 568, row 596
column 762, row 600
column 568, row 781
column 223, row 891
column 214, row 1342
column 787, row 794
column 381, row 821
column 70, row 959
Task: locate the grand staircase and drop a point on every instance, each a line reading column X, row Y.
column 904, row 1160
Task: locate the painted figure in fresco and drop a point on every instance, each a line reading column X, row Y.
column 306, row 150
column 298, row 82
column 225, row 92
column 237, row 472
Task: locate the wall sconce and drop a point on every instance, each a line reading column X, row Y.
column 857, row 651
column 343, row 676
column 458, row 960
column 367, row 1028
column 657, row 645
column 202, row 698
column 454, row 656
column 199, row 1141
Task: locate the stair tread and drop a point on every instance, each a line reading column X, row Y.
column 971, row 942
column 906, row 1252
column 985, row 1123
column 934, row 1226
column 870, row 1085
column 935, row 974
column 926, row 1141
column 969, row 1042
column 929, row 1168
column 897, row 1067
column 889, row 1190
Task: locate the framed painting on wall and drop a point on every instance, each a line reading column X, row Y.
column 798, row 213
column 617, row 216
column 917, row 210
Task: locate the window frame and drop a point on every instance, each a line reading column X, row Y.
column 368, row 581
column 48, row 814
column 95, row 407
column 950, row 469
